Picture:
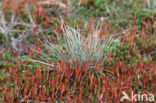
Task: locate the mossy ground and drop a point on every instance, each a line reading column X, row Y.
column 132, row 51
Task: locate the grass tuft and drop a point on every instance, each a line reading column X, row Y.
column 73, row 46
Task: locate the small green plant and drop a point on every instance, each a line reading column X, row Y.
column 74, row 46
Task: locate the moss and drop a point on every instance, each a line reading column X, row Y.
column 145, row 13
column 2, row 71
column 2, row 38
column 7, row 55
column 2, row 64
column 118, row 13
column 128, row 4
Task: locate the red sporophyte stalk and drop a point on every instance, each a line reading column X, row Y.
column 40, row 9
column 80, row 94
